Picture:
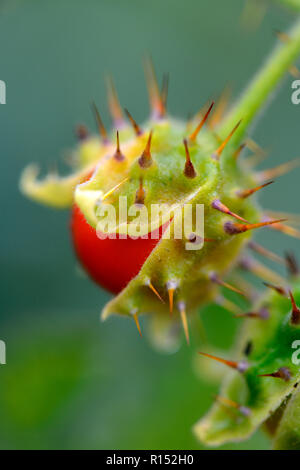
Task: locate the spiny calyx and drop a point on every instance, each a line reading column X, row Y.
column 169, row 165
column 165, row 165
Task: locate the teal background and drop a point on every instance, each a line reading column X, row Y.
column 71, row 381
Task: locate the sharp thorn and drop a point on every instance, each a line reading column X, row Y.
column 151, row 286
column 280, row 290
column 118, row 155
column 101, row 128
column 182, row 311
column 264, row 252
column 279, row 170
column 140, row 193
column 295, row 317
column 262, row 314
column 241, row 366
column 171, row 299
column 189, row 170
column 155, row 99
column 216, row 155
column 286, row 229
column 218, row 205
column 136, row 319
column 238, row 151
column 171, row 287
column 214, row 278
column 145, row 159
column 234, row 229
column 138, row 131
column 194, row 134
column 199, row 115
column 244, row 193
column 282, row 373
column 294, row 219
column 260, row 270
column 114, row 104
column 232, row 404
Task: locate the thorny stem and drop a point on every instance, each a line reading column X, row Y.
column 262, row 85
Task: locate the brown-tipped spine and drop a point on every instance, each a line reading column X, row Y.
column 244, row 193
column 134, row 124
column 287, row 230
column 280, row 290
column 101, row 128
column 114, row 104
column 241, row 366
column 239, row 150
column 155, row 98
column 218, row 205
column 140, row 193
column 282, row 373
column 262, row 314
column 244, row 410
column 295, row 316
column 214, row 278
column 260, row 270
column 118, row 155
column 194, row 134
column 216, row 155
column 261, row 250
column 278, row 170
column 145, row 160
column 234, row 229
column 189, row 170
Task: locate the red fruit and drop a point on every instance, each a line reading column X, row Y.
column 111, row 263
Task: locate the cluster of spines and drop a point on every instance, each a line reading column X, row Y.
column 283, row 373
column 158, row 101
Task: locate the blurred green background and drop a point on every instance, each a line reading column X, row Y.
column 71, row 381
